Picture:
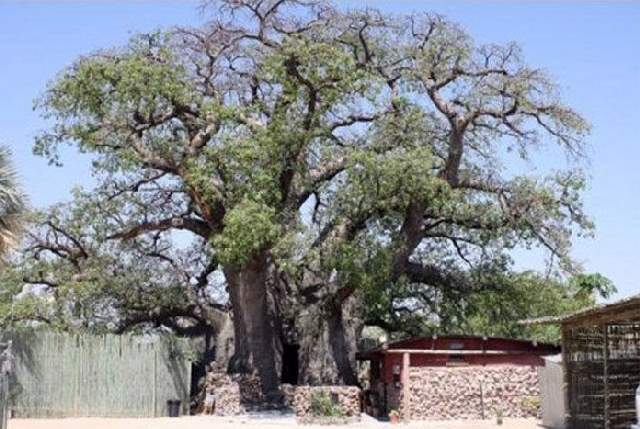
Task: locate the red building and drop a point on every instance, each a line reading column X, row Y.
column 455, row 376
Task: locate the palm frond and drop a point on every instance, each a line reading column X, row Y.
column 12, row 204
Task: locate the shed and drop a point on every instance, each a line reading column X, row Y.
column 453, row 377
column 601, row 355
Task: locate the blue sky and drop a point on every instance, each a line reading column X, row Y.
column 591, row 48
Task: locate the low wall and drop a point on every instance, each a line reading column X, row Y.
column 239, row 394
column 235, row 394
column 475, row 392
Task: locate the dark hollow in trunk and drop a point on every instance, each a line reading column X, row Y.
column 289, row 364
column 200, row 367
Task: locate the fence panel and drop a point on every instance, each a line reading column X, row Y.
column 62, row 375
column 4, row 400
column 6, row 364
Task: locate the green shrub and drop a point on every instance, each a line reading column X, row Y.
column 531, row 403
column 322, row 405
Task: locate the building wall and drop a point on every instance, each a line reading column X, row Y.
column 442, row 360
column 474, row 392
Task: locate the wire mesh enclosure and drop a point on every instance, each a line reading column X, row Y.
column 602, row 358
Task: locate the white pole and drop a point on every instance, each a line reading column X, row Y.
column 638, row 406
column 637, row 425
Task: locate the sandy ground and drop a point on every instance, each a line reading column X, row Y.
column 207, row 422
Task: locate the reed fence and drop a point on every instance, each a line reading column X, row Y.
column 64, row 375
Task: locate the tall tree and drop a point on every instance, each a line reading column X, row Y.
column 319, row 154
column 12, row 204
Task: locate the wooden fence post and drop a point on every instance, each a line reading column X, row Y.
column 605, row 371
column 156, row 412
column 405, row 405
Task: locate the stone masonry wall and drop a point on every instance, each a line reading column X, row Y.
column 235, row 394
column 439, row 393
column 239, row 394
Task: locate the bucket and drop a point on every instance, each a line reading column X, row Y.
column 173, row 407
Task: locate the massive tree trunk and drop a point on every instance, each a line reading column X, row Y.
column 328, row 337
column 225, row 345
column 257, row 347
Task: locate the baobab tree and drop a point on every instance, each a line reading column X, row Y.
column 321, row 156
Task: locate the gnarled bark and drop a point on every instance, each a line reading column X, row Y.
column 327, row 337
column 257, row 347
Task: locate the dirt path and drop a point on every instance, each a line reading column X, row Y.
column 206, row 422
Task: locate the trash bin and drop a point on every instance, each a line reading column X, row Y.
column 173, row 407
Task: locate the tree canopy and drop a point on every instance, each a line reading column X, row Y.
column 497, row 309
column 316, row 157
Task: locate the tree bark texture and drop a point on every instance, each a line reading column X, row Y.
column 327, row 337
column 257, row 347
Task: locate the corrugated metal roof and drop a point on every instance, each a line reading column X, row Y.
column 591, row 312
column 407, row 343
column 553, row 358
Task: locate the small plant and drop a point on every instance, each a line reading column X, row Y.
column 531, row 404
column 394, row 416
column 499, row 416
column 322, row 405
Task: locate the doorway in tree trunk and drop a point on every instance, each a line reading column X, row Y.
column 289, row 373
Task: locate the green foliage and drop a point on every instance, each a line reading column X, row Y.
column 95, row 98
column 391, row 181
column 498, row 311
column 497, row 305
column 594, row 284
column 69, row 276
column 322, row 405
column 249, row 228
column 353, row 153
column 12, row 205
column 531, row 403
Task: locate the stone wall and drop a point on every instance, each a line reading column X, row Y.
column 235, row 394
column 239, row 394
column 441, row 393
